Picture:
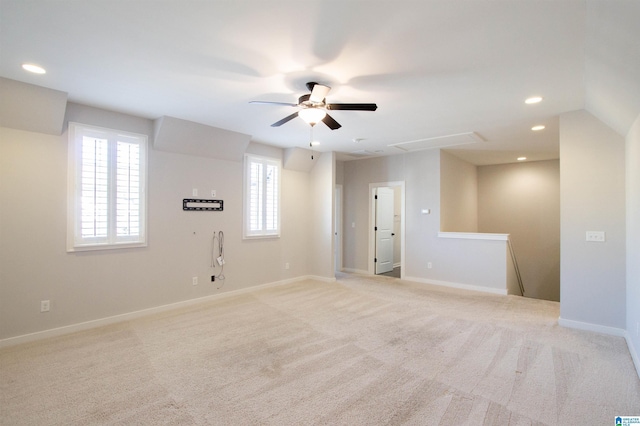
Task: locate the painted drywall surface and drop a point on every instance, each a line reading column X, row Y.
column 592, row 198
column 35, row 266
column 357, row 176
column 612, row 61
column 513, row 286
column 458, row 194
column 523, row 200
column 633, row 239
column 397, row 225
column 320, row 245
column 459, row 261
column 421, row 172
column 339, row 172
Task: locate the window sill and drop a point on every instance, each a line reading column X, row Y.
column 98, row 247
column 261, row 237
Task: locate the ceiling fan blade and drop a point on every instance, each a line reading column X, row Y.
column 284, row 120
column 319, row 92
column 352, row 107
column 273, row 103
column 330, row 122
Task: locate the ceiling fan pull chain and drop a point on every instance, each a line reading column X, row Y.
column 311, row 141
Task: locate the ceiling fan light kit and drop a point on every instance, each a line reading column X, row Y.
column 312, row 115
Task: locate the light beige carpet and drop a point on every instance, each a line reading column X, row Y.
column 362, row 351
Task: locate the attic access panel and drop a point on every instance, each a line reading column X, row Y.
column 439, row 142
column 194, row 204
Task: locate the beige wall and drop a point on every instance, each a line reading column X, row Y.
column 86, row 286
column 633, row 240
column 471, row 263
column 592, row 196
column 318, row 245
column 397, row 226
column 523, row 200
column 458, row 194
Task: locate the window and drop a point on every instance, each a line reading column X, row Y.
column 261, row 197
column 107, row 188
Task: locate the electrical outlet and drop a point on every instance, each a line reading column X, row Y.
column 429, row 265
column 214, row 193
column 45, row 306
column 194, row 280
column 595, row 236
column 286, row 265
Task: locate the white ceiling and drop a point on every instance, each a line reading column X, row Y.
column 435, row 68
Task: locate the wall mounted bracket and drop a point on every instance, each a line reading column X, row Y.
column 194, row 204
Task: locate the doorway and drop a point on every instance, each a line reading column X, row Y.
column 386, row 228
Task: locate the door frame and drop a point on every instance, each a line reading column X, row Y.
column 372, row 223
column 338, row 228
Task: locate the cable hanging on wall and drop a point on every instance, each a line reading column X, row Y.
column 217, row 241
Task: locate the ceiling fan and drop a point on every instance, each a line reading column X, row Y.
column 313, row 107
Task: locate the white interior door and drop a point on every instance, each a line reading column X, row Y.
column 384, row 229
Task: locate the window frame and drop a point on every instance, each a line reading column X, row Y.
column 75, row 240
column 247, row 232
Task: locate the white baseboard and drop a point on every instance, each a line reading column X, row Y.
column 355, row 271
column 602, row 329
column 632, row 350
column 59, row 331
column 502, row 292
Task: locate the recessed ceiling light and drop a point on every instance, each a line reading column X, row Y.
column 522, row 158
column 533, row 100
column 34, row 68
column 536, row 128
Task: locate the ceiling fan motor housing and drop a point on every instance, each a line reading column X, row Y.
column 304, row 101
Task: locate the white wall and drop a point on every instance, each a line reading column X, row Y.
column 319, row 245
column 397, row 225
column 633, row 240
column 592, row 198
column 457, row 262
column 35, row 266
column 458, row 194
column 357, row 175
column 523, row 200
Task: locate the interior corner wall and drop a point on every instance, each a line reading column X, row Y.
column 339, row 172
column 87, row 286
column 357, row 175
column 523, row 200
column 592, row 198
column 633, row 240
column 458, row 194
column 466, row 263
column 320, row 245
